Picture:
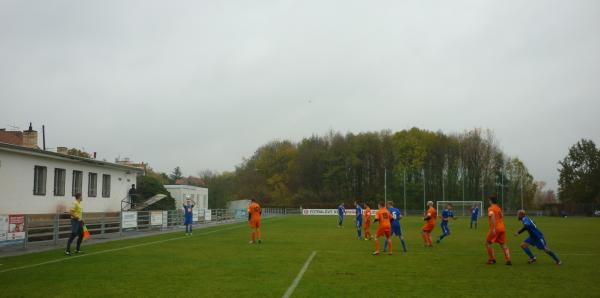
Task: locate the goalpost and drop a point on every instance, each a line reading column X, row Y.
column 460, row 208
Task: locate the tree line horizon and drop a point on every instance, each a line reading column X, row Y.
column 416, row 164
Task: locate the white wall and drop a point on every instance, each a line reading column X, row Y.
column 198, row 194
column 16, row 185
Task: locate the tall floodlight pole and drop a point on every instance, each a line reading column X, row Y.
column 462, row 177
column 502, row 186
column 404, row 188
column 423, row 174
column 483, row 187
column 443, row 189
column 521, row 189
column 385, row 185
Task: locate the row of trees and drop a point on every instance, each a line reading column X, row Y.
column 579, row 180
column 416, row 164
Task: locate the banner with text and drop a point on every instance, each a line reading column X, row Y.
column 12, row 228
column 156, row 218
column 348, row 212
column 128, row 219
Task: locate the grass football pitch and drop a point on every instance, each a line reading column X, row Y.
column 219, row 262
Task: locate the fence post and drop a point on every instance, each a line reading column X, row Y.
column 56, row 229
column 121, row 224
column 26, row 231
column 103, row 223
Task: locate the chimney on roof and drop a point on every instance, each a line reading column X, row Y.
column 30, row 138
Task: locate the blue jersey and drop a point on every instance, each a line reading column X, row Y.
column 359, row 214
column 341, row 210
column 395, row 216
column 531, row 228
column 475, row 213
column 188, row 213
column 446, row 214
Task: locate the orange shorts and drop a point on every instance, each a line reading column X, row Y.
column 499, row 237
column 367, row 224
column 387, row 232
column 255, row 223
column 428, row 227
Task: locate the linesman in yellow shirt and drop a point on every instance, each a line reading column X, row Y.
column 76, row 225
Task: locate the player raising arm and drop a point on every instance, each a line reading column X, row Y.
column 497, row 232
column 383, row 216
column 536, row 238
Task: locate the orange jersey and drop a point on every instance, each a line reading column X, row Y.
column 495, row 211
column 431, row 214
column 368, row 215
column 383, row 216
column 254, row 211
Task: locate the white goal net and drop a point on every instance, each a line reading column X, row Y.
column 461, row 208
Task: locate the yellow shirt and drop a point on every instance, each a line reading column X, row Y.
column 76, row 211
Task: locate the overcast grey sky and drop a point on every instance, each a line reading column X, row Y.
column 201, row 84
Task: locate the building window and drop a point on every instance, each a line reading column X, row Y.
column 77, row 182
column 92, row 185
column 39, row 181
column 59, row 182
column 105, row 186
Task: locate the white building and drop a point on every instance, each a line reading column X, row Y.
column 181, row 192
column 34, row 181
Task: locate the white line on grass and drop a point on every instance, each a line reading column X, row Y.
column 114, row 249
column 292, row 287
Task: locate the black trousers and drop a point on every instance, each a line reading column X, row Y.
column 76, row 231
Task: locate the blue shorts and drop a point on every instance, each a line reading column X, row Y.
column 359, row 224
column 539, row 243
column 188, row 220
column 396, row 230
column 473, row 218
column 445, row 228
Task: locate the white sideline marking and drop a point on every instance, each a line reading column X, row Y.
column 115, row 249
column 292, row 287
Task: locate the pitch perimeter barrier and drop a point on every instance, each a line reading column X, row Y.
column 23, row 229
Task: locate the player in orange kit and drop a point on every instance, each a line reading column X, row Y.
column 254, row 213
column 497, row 232
column 383, row 216
column 429, row 224
column 367, row 222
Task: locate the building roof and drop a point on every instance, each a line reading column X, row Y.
column 11, row 137
column 178, row 186
column 53, row 155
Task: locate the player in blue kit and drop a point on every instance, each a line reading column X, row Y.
column 446, row 215
column 536, row 238
column 395, row 221
column 474, row 216
column 359, row 219
column 341, row 213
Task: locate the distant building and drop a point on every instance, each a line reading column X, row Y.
column 27, row 138
column 34, row 181
column 181, row 192
column 127, row 162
